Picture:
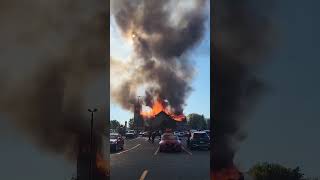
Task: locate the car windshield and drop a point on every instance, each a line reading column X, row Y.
column 130, row 131
column 113, row 136
column 169, row 137
column 200, row 135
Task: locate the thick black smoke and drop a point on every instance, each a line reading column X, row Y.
column 161, row 36
column 241, row 36
column 53, row 56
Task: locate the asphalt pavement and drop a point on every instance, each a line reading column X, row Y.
column 141, row 160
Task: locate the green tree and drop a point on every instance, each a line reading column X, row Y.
column 313, row 178
column 268, row 171
column 114, row 124
column 131, row 124
column 197, row 121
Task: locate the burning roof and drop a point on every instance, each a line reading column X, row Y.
column 158, row 108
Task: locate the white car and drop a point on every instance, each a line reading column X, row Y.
column 131, row 134
column 179, row 134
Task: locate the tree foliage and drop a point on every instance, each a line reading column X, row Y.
column 269, row 171
column 197, row 121
column 131, row 124
column 114, row 124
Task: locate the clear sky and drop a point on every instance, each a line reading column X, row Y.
column 199, row 99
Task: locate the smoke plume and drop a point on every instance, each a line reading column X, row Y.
column 241, row 37
column 53, row 56
column 162, row 33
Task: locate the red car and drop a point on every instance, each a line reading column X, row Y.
column 170, row 142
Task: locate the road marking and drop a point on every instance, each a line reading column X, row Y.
column 131, row 139
column 129, row 149
column 186, row 151
column 155, row 153
column 143, row 175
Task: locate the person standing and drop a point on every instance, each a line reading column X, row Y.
column 149, row 135
column 153, row 136
column 189, row 136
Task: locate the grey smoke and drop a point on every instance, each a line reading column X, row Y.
column 161, row 43
column 53, row 55
column 242, row 36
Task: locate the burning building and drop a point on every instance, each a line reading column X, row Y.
column 163, row 121
column 161, row 117
column 162, row 39
column 137, row 118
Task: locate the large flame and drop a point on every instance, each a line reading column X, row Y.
column 158, row 106
column 226, row 174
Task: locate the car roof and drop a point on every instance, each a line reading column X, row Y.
column 199, row 132
column 114, row 134
column 168, row 133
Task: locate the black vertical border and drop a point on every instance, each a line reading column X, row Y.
column 108, row 84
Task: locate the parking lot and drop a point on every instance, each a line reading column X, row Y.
column 141, row 160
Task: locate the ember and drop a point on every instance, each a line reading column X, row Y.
column 227, row 174
column 102, row 164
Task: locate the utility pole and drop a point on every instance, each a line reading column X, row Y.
column 92, row 111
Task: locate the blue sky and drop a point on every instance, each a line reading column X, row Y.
column 199, row 99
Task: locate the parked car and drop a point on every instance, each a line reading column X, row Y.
column 145, row 134
column 179, row 133
column 116, row 142
column 176, row 133
column 199, row 139
column 170, row 142
column 182, row 134
column 208, row 132
column 141, row 133
column 130, row 134
column 186, row 134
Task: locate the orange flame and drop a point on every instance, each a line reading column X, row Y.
column 226, row 174
column 102, row 164
column 157, row 107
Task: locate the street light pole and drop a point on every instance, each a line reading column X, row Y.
column 91, row 142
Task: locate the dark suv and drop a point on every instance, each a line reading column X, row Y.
column 199, row 139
